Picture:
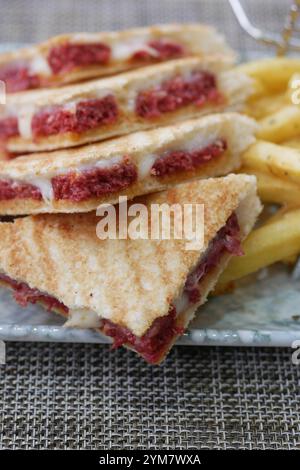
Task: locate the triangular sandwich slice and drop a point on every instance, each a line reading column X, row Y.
column 140, row 293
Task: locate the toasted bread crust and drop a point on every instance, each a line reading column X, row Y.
column 130, row 282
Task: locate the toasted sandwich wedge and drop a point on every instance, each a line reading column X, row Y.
column 141, row 99
column 79, row 56
column 78, row 180
column 142, row 293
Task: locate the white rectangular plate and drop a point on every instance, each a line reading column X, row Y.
column 265, row 312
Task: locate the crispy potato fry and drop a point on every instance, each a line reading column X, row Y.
column 281, row 125
column 264, row 246
column 292, row 143
column 274, row 74
column 258, row 91
column 265, row 105
column 275, row 189
column 279, row 214
column 273, row 159
column 290, row 260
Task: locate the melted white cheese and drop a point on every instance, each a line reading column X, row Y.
column 145, row 165
column 125, row 49
column 45, row 187
column 24, row 121
column 39, row 65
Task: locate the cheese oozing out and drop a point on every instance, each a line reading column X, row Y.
column 43, row 180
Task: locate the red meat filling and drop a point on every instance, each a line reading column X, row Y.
column 227, row 239
column 153, row 343
column 17, row 190
column 24, row 295
column 8, row 127
column 162, row 50
column 199, row 89
column 88, row 114
column 18, row 78
column 95, row 182
column 76, row 186
column 66, row 57
column 175, row 162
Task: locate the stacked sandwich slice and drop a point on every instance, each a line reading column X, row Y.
column 142, row 293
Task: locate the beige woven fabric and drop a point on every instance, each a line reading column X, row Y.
column 35, row 20
column 56, row 396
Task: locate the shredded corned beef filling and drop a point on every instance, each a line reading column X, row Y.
column 17, row 77
column 66, row 57
column 76, row 186
column 162, row 50
column 154, row 342
column 17, row 190
column 95, row 182
column 9, row 127
column 88, row 114
column 175, row 162
column 227, row 239
column 200, row 88
column 24, row 295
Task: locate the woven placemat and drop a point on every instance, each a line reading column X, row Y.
column 56, row 396
column 35, row 20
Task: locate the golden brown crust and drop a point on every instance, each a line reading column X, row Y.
column 199, row 40
column 236, row 129
column 234, row 86
column 130, row 282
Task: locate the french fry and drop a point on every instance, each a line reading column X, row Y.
column 281, row 125
column 258, row 91
column 292, row 143
column 290, row 260
column 278, row 214
column 273, row 159
column 274, row 74
column 274, row 189
column 264, row 246
column 265, row 105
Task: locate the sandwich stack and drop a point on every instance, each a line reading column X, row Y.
column 166, row 132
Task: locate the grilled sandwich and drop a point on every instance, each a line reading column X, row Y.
column 142, row 99
column 75, row 57
column 141, row 293
column 78, row 180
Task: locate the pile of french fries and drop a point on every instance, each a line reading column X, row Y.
column 275, row 160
